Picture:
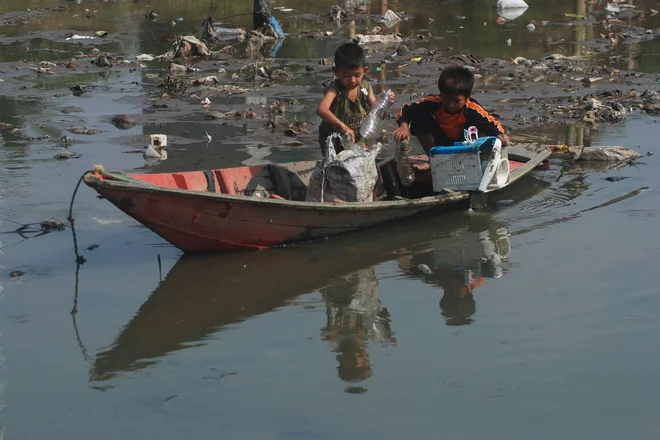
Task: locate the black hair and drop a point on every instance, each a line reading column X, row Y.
column 349, row 55
column 456, row 80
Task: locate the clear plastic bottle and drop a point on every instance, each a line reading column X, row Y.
column 222, row 32
column 369, row 130
column 348, row 144
column 403, row 167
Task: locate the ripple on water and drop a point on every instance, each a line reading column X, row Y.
column 548, row 200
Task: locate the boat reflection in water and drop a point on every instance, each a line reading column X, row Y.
column 203, row 295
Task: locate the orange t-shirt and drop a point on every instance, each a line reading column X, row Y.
column 451, row 124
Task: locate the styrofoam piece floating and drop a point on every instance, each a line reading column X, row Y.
column 513, row 4
column 511, row 9
column 158, row 140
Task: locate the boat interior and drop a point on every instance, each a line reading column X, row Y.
column 288, row 181
column 276, row 181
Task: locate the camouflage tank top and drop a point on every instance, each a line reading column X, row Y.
column 351, row 113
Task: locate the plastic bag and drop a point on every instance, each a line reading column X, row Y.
column 362, row 39
column 349, row 176
column 390, row 18
column 608, row 154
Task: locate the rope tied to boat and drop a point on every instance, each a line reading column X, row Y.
column 110, row 175
column 70, row 218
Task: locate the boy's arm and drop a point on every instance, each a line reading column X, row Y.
column 408, row 112
column 485, row 123
column 324, row 112
column 371, row 98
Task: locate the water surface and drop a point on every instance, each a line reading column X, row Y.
column 537, row 320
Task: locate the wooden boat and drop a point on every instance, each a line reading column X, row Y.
column 254, row 207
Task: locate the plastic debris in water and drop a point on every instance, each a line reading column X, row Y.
column 504, row 4
column 612, row 7
column 156, row 148
column 424, row 268
column 390, row 18
column 155, row 153
column 67, row 155
column 80, row 37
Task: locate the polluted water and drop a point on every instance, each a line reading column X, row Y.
column 539, row 307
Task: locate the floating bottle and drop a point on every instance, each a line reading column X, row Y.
column 369, row 130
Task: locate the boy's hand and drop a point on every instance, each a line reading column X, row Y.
column 402, row 133
column 346, row 130
column 392, row 97
column 505, row 139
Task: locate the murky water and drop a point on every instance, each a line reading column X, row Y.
column 536, row 318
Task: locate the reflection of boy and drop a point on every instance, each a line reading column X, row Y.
column 457, row 304
column 440, row 120
column 355, row 316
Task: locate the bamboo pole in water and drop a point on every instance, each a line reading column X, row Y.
column 580, row 29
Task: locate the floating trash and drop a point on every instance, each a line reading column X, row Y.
column 425, row 269
column 64, row 155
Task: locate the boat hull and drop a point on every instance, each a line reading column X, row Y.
column 224, row 218
column 197, row 222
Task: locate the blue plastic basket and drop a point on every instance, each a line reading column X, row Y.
column 460, row 166
column 480, row 145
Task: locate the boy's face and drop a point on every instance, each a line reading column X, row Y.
column 453, row 102
column 350, row 77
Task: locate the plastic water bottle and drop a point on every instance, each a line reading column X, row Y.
column 222, row 32
column 348, row 144
column 403, row 167
column 369, row 130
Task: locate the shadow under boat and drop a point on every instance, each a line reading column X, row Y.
column 204, row 294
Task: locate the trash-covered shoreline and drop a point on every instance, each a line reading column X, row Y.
column 214, row 63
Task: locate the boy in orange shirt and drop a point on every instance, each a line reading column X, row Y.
column 440, row 120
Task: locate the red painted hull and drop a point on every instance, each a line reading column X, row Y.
column 242, row 207
column 197, row 222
